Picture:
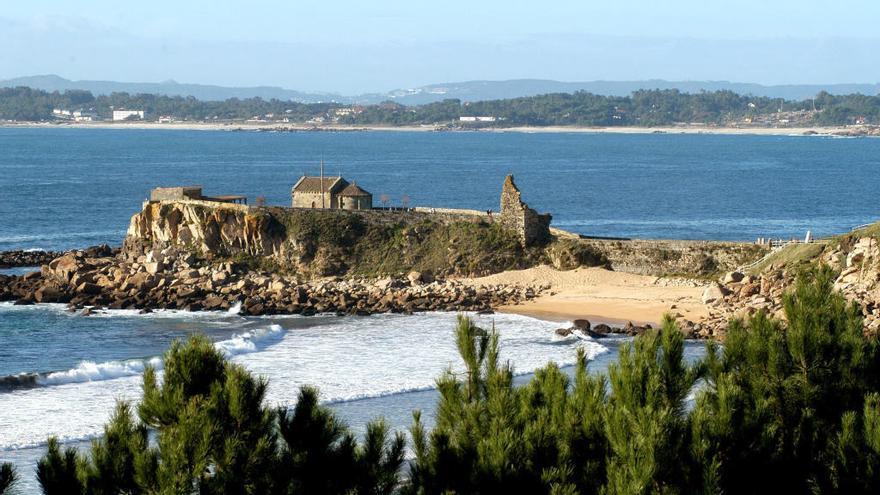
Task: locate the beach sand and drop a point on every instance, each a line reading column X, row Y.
column 602, row 295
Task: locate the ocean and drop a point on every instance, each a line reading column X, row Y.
column 67, row 188
column 60, row 373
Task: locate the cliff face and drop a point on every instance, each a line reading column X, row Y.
column 314, row 243
column 207, row 228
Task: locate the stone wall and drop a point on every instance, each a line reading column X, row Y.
column 309, row 200
column 356, row 202
column 176, row 193
column 532, row 228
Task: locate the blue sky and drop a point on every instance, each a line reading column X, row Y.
column 353, row 47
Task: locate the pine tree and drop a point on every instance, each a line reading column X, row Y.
column 780, row 395
column 492, row 437
column 57, row 471
column 121, row 461
column 645, row 419
column 214, row 433
column 8, row 477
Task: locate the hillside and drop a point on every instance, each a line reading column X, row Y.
column 467, row 91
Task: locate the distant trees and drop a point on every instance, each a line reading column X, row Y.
column 786, row 407
column 641, row 108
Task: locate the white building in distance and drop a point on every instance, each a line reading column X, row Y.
column 477, row 119
column 128, row 114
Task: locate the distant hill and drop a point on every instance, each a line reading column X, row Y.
column 465, row 91
column 171, row 88
column 492, row 90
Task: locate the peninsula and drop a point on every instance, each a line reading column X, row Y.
column 332, row 251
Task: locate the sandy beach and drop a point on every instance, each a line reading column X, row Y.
column 288, row 127
column 603, row 295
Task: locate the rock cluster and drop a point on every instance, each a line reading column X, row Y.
column 602, row 330
column 9, row 259
column 173, row 279
column 740, row 295
column 737, row 295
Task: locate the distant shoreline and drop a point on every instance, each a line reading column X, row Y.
column 841, row 131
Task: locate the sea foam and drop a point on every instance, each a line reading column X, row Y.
column 347, row 358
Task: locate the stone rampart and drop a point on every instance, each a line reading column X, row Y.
column 532, row 227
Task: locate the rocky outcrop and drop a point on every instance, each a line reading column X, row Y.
column 177, row 279
column 855, row 259
column 208, row 228
column 9, row 259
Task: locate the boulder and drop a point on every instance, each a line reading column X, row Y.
column 564, row 332
column 49, row 294
column 733, row 277
column 711, row 294
column 153, row 267
column 414, row 277
column 89, row 288
column 601, row 329
column 581, row 324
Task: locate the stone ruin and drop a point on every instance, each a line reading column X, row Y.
column 532, row 227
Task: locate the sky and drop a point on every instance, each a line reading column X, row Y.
column 354, row 47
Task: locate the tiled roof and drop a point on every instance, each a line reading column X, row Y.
column 313, row 184
column 354, row 190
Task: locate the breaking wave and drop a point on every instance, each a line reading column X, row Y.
column 90, row 371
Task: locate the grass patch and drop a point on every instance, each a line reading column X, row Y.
column 790, row 256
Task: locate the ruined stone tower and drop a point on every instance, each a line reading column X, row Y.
column 531, row 227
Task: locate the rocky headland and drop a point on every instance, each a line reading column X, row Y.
column 201, row 255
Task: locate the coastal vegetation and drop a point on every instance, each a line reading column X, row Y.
column 785, row 406
column 641, row 108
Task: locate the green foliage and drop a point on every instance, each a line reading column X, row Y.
column 120, row 460
column 321, row 456
column 641, row 108
column 786, row 408
column 453, row 248
column 214, row 435
column 341, row 242
column 780, row 396
column 57, row 470
column 568, row 254
column 8, row 477
column 491, row 437
column 645, row 419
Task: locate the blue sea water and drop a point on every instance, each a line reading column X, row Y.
column 61, row 372
column 64, row 188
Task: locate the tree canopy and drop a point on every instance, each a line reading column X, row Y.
column 642, row 108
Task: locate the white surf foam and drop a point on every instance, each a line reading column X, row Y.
column 89, row 371
column 234, row 309
column 346, row 358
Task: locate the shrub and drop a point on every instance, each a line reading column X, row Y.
column 569, row 254
column 214, row 435
column 8, row 477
